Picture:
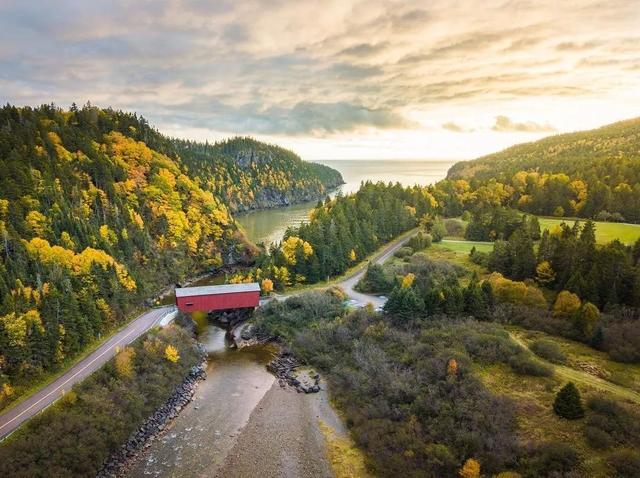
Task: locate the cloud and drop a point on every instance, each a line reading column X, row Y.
column 504, row 124
column 302, row 118
column 320, row 67
column 456, row 128
column 364, row 49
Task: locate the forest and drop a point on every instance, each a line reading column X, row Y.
column 590, row 174
column 340, row 233
column 99, row 211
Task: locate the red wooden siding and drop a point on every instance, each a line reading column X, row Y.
column 209, row 302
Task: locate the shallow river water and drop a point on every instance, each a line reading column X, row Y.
column 200, row 438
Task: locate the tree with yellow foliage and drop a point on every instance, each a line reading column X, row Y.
column 267, row 286
column 171, row 354
column 452, row 367
column 566, row 305
column 291, row 245
column 124, row 362
column 544, row 273
column 352, row 255
column 407, row 281
column 470, row 469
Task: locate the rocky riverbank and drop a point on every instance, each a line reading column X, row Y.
column 288, row 371
column 285, row 366
column 116, row 464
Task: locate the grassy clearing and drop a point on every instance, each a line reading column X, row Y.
column 536, row 420
column 464, row 247
column 619, row 378
column 458, row 255
column 605, row 231
column 534, row 398
column 347, row 461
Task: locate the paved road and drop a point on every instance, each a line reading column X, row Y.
column 349, row 282
column 13, row 418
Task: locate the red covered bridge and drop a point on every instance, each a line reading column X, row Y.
column 218, row 297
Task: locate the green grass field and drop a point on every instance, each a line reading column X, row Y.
column 605, row 231
column 462, row 246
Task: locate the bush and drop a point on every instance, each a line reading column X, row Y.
column 598, row 439
column 568, row 403
column 438, row 230
column 626, row 463
column 403, row 252
column 490, row 348
column 549, row 351
column 552, row 459
column 480, row 258
column 420, row 241
column 525, row 364
column 455, row 227
column 515, row 292
column 620, row 424
column 622, row 341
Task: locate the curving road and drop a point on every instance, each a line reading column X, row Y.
column 349, row 282
column 16, row 416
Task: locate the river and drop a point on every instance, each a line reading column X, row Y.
column 268, row 226
column 241, row 422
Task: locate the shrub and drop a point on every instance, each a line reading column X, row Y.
column 552, row 459
column 420, row 241
column 480, row 258
column 438, row 230
column 123, row 362
column 490, row 348
column 598, row 439
column 525, row 364
column 568, row 403
column 622, row 341
column 626, row 463
column 470, row 469
column 566, row 304
column 403, row 252
column 620, row 424
column 455, row 227
column 549, row 351
column 515, row 292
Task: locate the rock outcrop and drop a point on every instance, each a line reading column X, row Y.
column 285, row 367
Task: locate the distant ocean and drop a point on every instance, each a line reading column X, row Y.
column 406, row 172
column 269, row 225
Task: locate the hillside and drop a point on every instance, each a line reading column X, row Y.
column 98, row 211
column 593, row 174
column 249, row 174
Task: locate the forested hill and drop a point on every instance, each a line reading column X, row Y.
column 98, row 210
column 249, row 174
column 592, row 173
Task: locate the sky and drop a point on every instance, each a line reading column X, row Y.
column 346, row 79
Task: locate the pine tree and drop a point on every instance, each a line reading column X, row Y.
column 568, row 403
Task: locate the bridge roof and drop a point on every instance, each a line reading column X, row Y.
column 217, row 289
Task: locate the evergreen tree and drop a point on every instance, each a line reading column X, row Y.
column 568, row 403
